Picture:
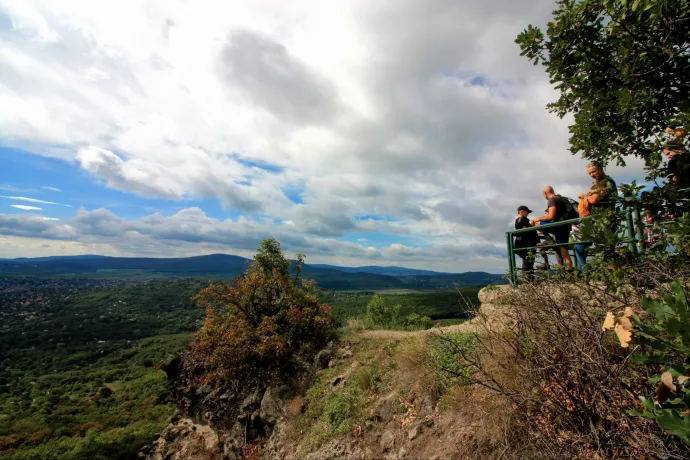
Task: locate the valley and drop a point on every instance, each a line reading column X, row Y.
column 81, row 352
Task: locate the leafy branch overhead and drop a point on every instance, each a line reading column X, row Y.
column 621, row 67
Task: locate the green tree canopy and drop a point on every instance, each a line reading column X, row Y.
column 623, row 70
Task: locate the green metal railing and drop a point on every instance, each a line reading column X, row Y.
column 633, row 223
column 634, row 239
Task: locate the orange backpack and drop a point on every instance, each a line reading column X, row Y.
column 584, row 208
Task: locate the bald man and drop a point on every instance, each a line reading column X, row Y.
column 557, row 209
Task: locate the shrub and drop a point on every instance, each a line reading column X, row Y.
column 264, row 321
column 664, row 336
column 569, row 387
column 417, row 321
column 379, row 314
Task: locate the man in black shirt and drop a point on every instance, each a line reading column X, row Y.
column 557, row 209
column 525, row 240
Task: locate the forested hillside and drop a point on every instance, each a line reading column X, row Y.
column 79, row 357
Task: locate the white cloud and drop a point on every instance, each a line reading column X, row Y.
column 33, row 200
column 50, row 218
column 190, row 232
column 26, row 208
column 415, row 119
column 52, row 189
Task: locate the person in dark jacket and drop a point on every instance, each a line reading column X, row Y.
column 525, row 240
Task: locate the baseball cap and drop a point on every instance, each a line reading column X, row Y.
column 524, row 208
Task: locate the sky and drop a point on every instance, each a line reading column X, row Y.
column 377, row 132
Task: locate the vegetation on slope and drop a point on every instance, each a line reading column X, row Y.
column 77, row 376
column 261, row 324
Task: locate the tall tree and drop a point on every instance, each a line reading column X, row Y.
column 623, row 70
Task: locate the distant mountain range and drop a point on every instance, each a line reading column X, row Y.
column 389, row 271
column 227, row 266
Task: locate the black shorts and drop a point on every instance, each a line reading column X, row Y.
column 561, row 234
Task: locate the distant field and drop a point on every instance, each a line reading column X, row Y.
column 124, row 272
column 397, row 291
column 437, row 305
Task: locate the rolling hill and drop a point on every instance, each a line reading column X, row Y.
column 227, row 266
column 390, row 271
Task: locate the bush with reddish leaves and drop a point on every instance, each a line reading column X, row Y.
column 264, row 323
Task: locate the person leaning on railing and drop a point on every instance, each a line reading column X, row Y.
column 602, row 195
column 678, row 160
column 557, row 210
column 652, row 232
column 525, row 240
column 678, row 170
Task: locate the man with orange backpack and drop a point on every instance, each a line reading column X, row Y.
column 602, row 195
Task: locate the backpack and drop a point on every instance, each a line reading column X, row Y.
column 571, row 211
column 584, row 208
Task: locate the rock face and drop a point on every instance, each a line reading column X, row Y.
column 337, row 449
column 387, row 440
column 215, row 419
column 385, row 408
column 274, row 402
column 322, row 358
column 184, row 440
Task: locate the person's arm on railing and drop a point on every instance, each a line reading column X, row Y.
column 551, row 215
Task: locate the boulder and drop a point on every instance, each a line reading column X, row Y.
column 345, row 353
column 172, row 368
column 414, row 432
column 250, row 401
column 387, row 440
column 385, row 408
column 273, row 402
column 322, row 358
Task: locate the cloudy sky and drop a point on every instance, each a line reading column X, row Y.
column 387, row 132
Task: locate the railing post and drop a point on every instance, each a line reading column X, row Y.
column 511, row 259
column 632, row 241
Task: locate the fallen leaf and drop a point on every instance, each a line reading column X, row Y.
column 662, row 393
column 624, row 336
column 682, row 379
column 667, row 379
column 628, row 312
column 625, row 322
column 608, row 322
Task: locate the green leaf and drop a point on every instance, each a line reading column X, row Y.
column 656, row 308
column 674, row 423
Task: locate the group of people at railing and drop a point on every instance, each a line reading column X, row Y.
column 601, row 196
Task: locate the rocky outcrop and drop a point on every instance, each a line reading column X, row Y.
column 216, row 419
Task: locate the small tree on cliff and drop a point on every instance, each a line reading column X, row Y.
column 262, row 324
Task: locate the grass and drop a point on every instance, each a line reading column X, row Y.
column 333, row 411
column 450, row 321
column 424, row 362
